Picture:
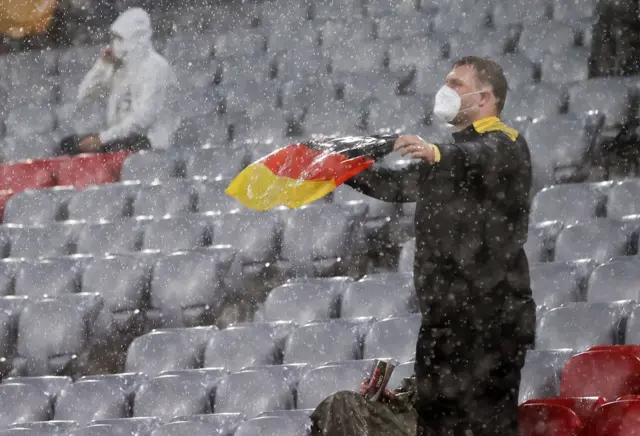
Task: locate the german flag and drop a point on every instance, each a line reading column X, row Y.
column 302, row 173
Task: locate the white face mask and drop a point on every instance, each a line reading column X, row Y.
column 448, row 103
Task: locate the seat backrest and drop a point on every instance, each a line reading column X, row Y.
column 23, row 403
column 614, row 281
column 320, row 343
column 554, row 284
column 318, row 383
column 393, row 338
column 380, row 296
column 170, row 396
column 301, row 303
column 175, row 233
column 275, row 426
column 236, row 347
column 86, row 401
column 599, row 240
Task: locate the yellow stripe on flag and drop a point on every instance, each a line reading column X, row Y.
column 260, row 189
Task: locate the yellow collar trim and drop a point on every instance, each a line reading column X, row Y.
column 492, row 124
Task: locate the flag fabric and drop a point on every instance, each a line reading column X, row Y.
column 302, row 173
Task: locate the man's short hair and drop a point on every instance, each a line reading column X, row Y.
column 488, row 73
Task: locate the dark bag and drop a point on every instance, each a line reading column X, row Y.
column 348, row 413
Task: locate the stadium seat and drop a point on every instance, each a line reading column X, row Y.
column 322, row 241
column 29, row 121
column 541, row 240
column 622, row 199
column 405, row 28
column 599, row 240
column 116, row 237
column 565, row 156
column 325, row 10
column 289, row 373
column 537, row 419
column 616, row 418
column 50, row 241
column 48, row 278
column 37, row 206
column 318, row 383
column 301, row 303
column 566, row 68
column 23, row 403
column 53, row 339
column 172, row 198
column 86, row 170
column 632, row 331
column 127, row 382
column 225, row 424
column 616, row 280
column 169, row 396
column 189, row 47
column 381, row 8
column 380, row 296
column 239, row 44
column 568, row 203
column 18, row 176
column 93, row 430
column 393, row 338
column 47, row 428
column 147, row 166
column 187, row 289
column 609, row 373
column 123, row 283
column 168, row 350
column 86, row 401
column 465, row 18
column 108, row 203
column 402, row 371
column 582, row 325
column 185, row 428
column 212, row 198
column 489, row 42
column 252, row 392
column 537, row 100
column 238, row 346
column 358, row 57
column 540, row 375
column 172, row 234
column 275, row 426
column 554, row 284
column 322, row 342
column 540, row 38
column 51, row 385
column 128, row 426
column 214, row 162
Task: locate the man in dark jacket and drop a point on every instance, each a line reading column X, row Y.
column 471, row 273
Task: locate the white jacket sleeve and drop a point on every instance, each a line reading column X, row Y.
column 97, row 82
column 146, row 107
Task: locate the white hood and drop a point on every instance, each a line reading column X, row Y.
column 134, row 27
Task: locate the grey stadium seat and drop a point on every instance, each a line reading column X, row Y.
column 123, row 283
column 533, row 101
column 110, row 203
column 358, row 57
column 236, row 347
column 187, row 288
column 224, row 423
column 52, row 339
column 127, row 382
column 186, row 428
column 565, row 68
column 252, row 392
column 489, row 42
column 323, row 342
column 23, row 403
column 554, row 284
column 541, row 373
column 632, row 329
column 37, row 206
column 51, row 385
column 188, row 47
column 147, row 166
column 568, row 203
column 170, row 396
column 574, row 10
column 50, row 241
column 402, row 113
column 175, row 233
column 318, row 383
column 168, row 350
column 393, row 338
column 47, row 428
column 128, row 426
column 116, row 237
column 86, row 401
column 509, row 13
column 377, row 8
column 611, row 97
column 562, row 148
column 212, row 198
column 401, row 27
column 599, row 240
column 173, row 198
column 48, row 278
column 301, row 303
column 323, row 10
column 616, row 280
column 239, row 44
column 465, row 18
column 8, row 271
column 624, row 199
column 582, row 325
column 380, row 296
column 33, row 147
column 275, row 426
column 331, row 241
column 518, row 70
column 29, row 121
column 537, row 39
column 216, row 162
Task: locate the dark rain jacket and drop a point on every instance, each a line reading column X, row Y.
column 472, row 213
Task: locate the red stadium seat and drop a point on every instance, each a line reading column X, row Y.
column 34, row 174
column 583, row 407
column 540, row 419
column 91, row 169
column 618, row 418
column 631, row 349
column 609, row 373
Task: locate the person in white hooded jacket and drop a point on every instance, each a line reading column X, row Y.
column 141, row 89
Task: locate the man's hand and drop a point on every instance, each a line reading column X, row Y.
column 107, row 55
column 90, row 144
column 417, row 148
